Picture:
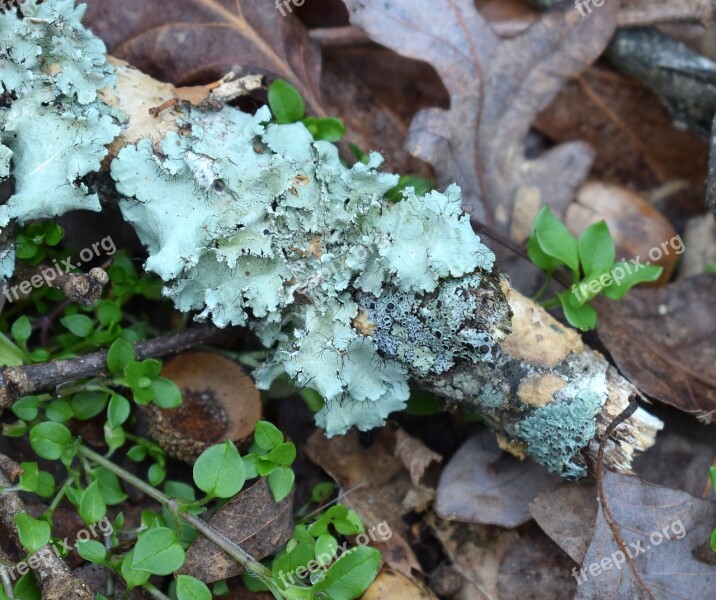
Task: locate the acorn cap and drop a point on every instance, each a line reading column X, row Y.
column 219, row 402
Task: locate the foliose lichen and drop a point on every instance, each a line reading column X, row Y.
column 53, row 125
column 557, row 432
column 253, row 223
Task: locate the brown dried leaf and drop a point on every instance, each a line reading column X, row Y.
column 415, row 455
column 630, row 129
column 375, row 483
column 482, row 484
column 497, row 87
column 253, row 521
column 390, row 584
column 567, row 514
column 193, row 41
column 664, row 341
column 680, row 566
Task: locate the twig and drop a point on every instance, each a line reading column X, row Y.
column 27, row 379
column 231, row 548
column 84, row 288
column 54, row 577
column 606, row 510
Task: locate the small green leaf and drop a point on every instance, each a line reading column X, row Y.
column 119, row 355
column 114, row 436
column 156, row 474
column 108, row 313
column 421, row 185
column 267, row 435
column 92, row 551
column 543, row 261
column 59, row 410
column 219, row 471
column 109, row 486
column 626, row 275
column 26, row 408
column 326, row 544
column 79, row 325
column 33, row 533
column 329, row 129
column 92, row 506
column 285, row 102
column 137, row 453
column 190, row 588
column 133, row 577
column 350, row 575
column 283, row 454
column 30, row 478
column 582, row 316
column 596, row 248
column 86, row 405
column 158, row 551
column 166, row 393
column 49, row 440
column 555, row 240
column 280, row 482
column 45, row 485
column 118, row 410
column 27, row 588
column 21, row 329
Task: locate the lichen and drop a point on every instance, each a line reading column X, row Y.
column 556, row 433
column 254, row 223
column 54, row 130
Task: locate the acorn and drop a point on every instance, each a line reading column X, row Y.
column 219, row 402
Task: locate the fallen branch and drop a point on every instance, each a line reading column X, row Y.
column 83, row 288
column 53, row 576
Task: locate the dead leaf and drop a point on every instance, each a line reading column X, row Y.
column 483, row 484
column 700, row 239
column 253, row 521
column 636, row 226
column 667, row 532
column 630, row 129
column 194, row 41
column 534, row 563
column 567, row 514
column 415, row 455
column 375, row 483
column 496, row 89
column 663, row 340
column 476, row 552
column 390, row 584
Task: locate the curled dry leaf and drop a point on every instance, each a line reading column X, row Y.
column 376, row 484
column 667, row 532
column 416, row 456
column 194, row 41
column 636, row 226
column 664, row 341
column 496, row 87
column 252, row 520
column 219, row 402
column 483, row 484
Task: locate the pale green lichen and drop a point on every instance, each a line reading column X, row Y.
column 556, row 433
column 253, row 223
column 53, row 126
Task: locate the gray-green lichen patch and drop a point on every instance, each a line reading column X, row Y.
column 253, row 223
column 55, row 127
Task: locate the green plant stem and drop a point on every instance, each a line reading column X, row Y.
column 155, row 592
column 232, row 549
column 60, row 495
column 551, row 303
column 543, row 289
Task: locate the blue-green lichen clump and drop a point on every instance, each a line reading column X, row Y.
column 53, row 125
column 556, row 433
column 253, row 223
